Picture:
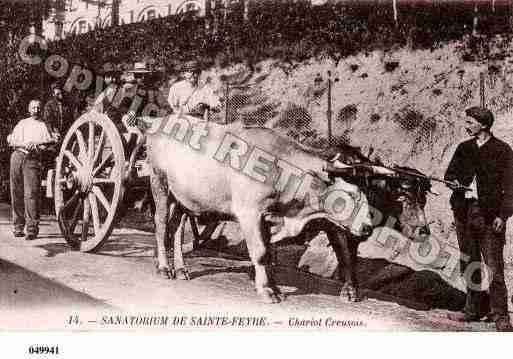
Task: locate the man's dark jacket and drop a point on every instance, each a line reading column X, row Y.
column 492, row 164
column 54, row 119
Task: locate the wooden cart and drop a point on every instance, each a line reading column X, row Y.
column 91, row 176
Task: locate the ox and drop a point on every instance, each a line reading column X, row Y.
column 273, row 187
column 397, row 197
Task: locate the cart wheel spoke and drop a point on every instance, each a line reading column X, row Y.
column 90, row 147
column 98, row 181
column 101, row 197
column 81, row 145
column 99, row 149
column 86, row 215
column 73, row 159
column 105, row 162
column 95, row 213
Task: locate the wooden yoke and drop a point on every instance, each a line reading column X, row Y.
column 363, row 170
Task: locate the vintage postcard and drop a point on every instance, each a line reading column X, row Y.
column 236, row 166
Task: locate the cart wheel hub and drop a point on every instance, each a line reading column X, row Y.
column 84, row 178
column 69, row 181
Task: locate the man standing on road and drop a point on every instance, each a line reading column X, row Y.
column 29, row 138
column 486, row 163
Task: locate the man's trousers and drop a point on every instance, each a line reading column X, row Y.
column 25, row 178
column 477, row 238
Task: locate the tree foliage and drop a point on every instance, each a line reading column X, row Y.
column 17, row 16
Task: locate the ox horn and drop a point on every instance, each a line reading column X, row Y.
column 380, row 170
column 338, row 167
column 358, row 169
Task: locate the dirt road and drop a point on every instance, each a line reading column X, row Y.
column 45, row 285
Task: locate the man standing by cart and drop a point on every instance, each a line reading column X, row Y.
column 57, row 115
column 186, row 97
column 29, row 139
column 487, row 163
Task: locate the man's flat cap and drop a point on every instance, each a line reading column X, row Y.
column 191, row 66
column 481, row 115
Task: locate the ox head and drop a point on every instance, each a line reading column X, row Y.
column 396, row 196
column 401, row 195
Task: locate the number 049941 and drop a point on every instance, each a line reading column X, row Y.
column 43, row 349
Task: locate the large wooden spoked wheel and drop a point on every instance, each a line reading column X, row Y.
column 89, row 181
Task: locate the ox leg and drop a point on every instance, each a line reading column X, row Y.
column 251, row 226
column 272, row 255
column 346, row 252
column 161, row 198
column 181, row 271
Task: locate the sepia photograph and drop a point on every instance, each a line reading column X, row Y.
column 238, row 166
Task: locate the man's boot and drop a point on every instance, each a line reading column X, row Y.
column 463, row 317
column 503, row 324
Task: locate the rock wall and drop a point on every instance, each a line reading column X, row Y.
column 407, row 105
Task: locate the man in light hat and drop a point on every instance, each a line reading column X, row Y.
column 481, row 218
column 187, row 97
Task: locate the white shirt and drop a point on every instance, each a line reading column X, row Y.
column 183, row 95
column 108, row 94
column 480, row 144
column 473, row 193
column 30, row 130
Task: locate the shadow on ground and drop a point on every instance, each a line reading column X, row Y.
column 23, row 289
column 119, row 245
column 422, row 290
column 212, row 271
column 129, row 245
column 53, row 249
column 378, row 278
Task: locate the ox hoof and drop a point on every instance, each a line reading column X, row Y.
column 281, row 297
column 278, row 293
column 350, row 294
column 182, row 274
column 165, row 273
column 268, row 296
